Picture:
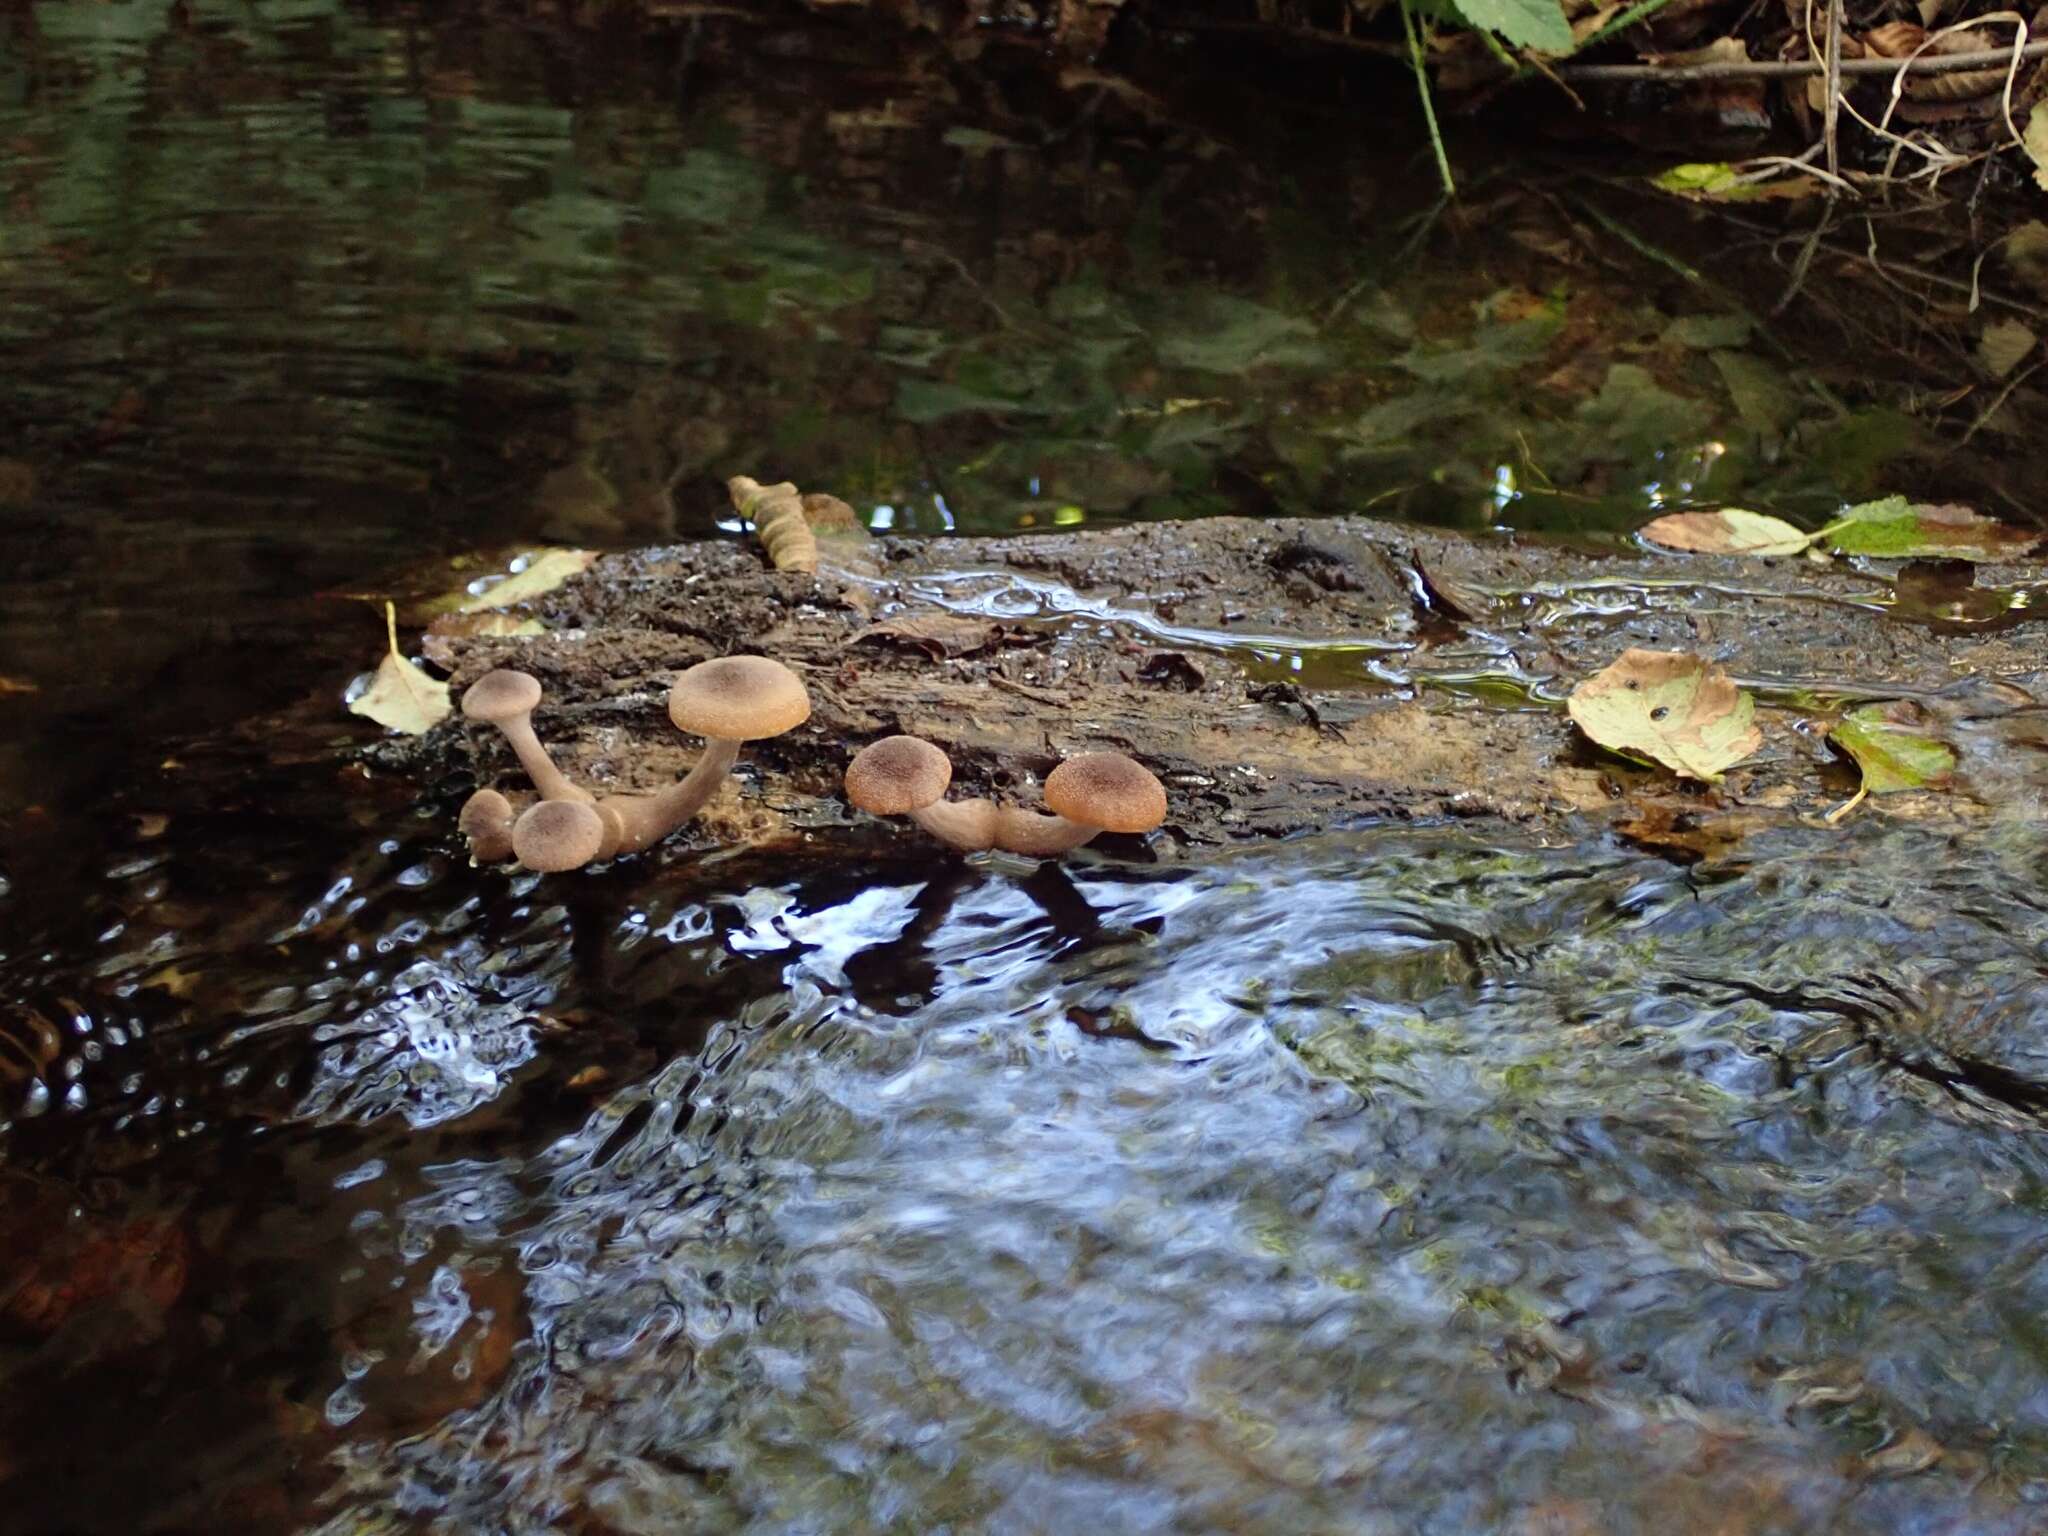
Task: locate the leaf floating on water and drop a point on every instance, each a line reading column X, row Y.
column 1730, row 531
column 1671, row 708
column 1890, row 743
column 401, row 697
column 545, row 570
column 1898, row 529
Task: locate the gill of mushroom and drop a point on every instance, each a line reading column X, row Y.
column 727, row 701
column 908, row 776
column 507, row 699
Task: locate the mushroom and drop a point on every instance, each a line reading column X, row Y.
column 907, row 776
column 556, row 835
column 507, row 700
column 486, row 820
column 1092, row 793
column 728, row 701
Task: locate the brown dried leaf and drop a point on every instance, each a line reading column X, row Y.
column 940, row 636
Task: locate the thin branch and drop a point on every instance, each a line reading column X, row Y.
column 1794, row 69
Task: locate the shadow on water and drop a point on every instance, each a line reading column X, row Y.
column 1381, row 1180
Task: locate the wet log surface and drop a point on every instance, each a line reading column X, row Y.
column 1278, row 675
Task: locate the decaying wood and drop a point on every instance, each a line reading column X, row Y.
column 1277, row 675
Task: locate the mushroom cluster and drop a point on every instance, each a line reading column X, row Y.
column 1092, row 793
column 728, row 701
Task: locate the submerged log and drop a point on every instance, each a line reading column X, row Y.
column 1278, row 675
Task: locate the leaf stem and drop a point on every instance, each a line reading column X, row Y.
column 1436, row 138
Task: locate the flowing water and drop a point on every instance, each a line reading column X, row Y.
column 1384, row 1179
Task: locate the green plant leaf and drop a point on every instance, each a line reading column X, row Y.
column 1890, row 744
column 1897, row 529
column 1671, row 708
column 1525, row 23
column 1730, row 531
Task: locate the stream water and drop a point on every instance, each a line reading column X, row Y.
column 1384, row 1179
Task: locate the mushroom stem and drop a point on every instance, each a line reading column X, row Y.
column 1038, row 836
column 969, row 825
column 650, row 818
column 533, row 757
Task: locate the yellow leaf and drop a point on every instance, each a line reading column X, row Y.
column 545, row 570
column 2035, row 142
column 401, row 697
column 2004, row 346
column 1671, row 708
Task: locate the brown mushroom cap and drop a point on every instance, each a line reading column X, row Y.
column 1106, row 790
column 486, row 820
column 556, row 835
column 501, row 695
column 738, row 698
column 897, row 775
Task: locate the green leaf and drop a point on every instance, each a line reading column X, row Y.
column 1764, row 401
column 1231, row 335
column 1897, row 529
column 1709, row 331
column 1525, row 23
column 1671, row 708
column 1889, row 743
column 1730, row 531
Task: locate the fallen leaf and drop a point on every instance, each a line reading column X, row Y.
column 17, row 685
column 2004, row 346
column 1671, row 708
column 1890, row 743
column 1897, row 529
column 401, row 697
column 438, row 643
column 545, row 570
column 1717, row 181
column 2035, row 142
column 1688, row 833
column 939, row 636
column 1730, row 531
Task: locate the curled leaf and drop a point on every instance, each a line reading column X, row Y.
column 401, row 697
column 1897, row 529
column 545, row 570
column 1671, row 708
column 1890, row 743
column 1730, row 531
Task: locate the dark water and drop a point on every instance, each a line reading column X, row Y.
column 1382, row 1180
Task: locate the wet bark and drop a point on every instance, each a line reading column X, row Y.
column 1278, row 675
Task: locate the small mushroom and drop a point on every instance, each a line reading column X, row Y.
column 1092, row 793
column 486, row 820
column 728, row 701
column 907, row 776
column 556, row 835
column 507, row 700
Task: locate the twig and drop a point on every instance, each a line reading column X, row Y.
column 1436, row 138
column 1831, row 115
column 1793, row 69
column 1992, row 409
